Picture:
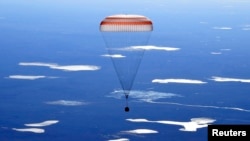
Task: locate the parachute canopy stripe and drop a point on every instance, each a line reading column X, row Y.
column 126, row 23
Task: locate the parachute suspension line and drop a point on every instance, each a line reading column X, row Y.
column 126, row 96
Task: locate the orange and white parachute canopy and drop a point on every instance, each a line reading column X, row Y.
column 126, row 23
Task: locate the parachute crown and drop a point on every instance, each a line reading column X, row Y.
column 126, row 23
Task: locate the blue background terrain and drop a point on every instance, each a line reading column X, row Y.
column 213, row 43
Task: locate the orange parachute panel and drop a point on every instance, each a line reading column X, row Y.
column 126, row 23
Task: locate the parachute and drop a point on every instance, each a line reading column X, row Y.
column 123, row 33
